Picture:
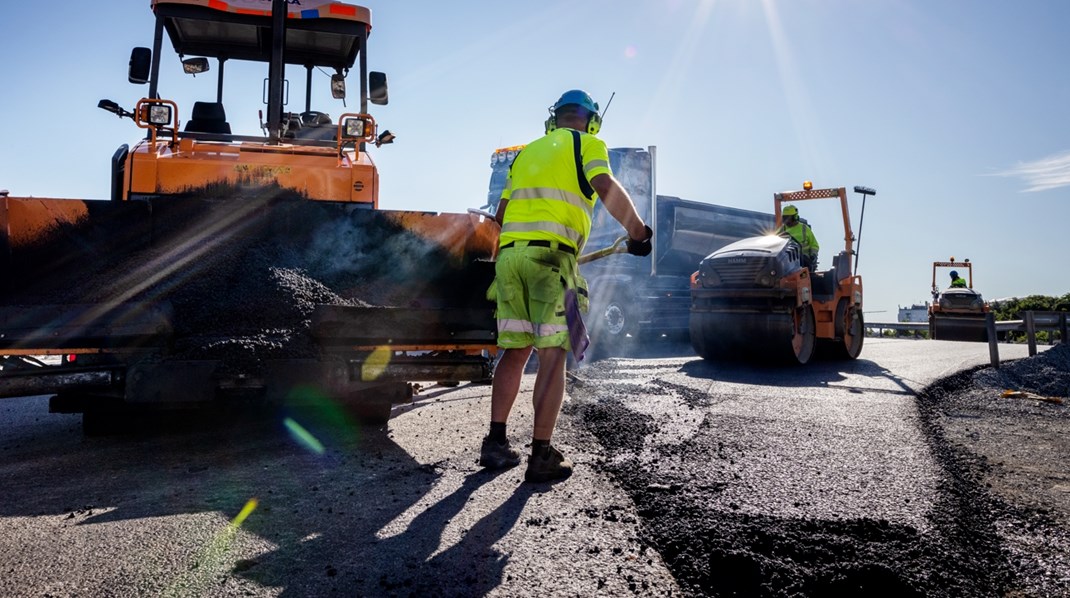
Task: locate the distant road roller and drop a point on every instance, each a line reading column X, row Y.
column 958, row 313
column 755, row 297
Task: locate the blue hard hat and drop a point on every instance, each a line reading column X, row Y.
column 579, row 97
column 954, row 274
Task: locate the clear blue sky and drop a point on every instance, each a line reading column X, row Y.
column 954, row 111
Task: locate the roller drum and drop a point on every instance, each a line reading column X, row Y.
column 727, row 334
column 958, row 328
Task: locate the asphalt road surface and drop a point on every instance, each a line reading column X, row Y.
column 691, row 478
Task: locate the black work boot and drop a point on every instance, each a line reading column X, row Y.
column 548, row 466
column 494, row 455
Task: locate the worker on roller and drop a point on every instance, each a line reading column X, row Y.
column 957, row 282
column 802, row 234
column 545, row 216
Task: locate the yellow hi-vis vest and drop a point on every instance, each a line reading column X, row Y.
column 546, row 199
column 803, row 235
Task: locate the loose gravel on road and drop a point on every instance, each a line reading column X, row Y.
column 997, row 525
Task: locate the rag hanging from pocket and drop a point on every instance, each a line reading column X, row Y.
column 577, row 330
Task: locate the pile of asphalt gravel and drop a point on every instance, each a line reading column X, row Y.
column 1046, row 374
column 1009, row 429
column 998, row 526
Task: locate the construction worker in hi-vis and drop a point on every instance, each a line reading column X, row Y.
column 545, row 216
column 957, row 282
column 802, row 234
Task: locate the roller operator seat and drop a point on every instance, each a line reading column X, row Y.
column 208, row 117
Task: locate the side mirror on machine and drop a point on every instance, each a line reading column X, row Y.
column 384, row 138
column 338, row 86
column 377, row 92
column 140, row 65
column 114, row 108
column 195, row 66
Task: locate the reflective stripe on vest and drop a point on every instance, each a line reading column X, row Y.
column 554, row 194
column 548, row 190
column 593, row 164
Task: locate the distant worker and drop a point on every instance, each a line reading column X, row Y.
column 957, row 282
column 802, row 234
column 545, row 214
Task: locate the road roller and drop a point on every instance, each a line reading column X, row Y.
column 957, row 313
column 758, row 298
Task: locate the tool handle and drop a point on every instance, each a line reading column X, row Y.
column 479, row 212
column 618, row 246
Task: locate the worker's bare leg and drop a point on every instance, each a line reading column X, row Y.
column 507, row 376
column 546, row 463
column 549, row 391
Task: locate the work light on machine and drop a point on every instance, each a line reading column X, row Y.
column 159, row 114
column 356, row 128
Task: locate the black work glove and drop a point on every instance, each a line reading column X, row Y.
column 642, row 248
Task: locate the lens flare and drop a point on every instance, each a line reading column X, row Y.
column 247, row 510
column 303, row 436
column 374, row 366
column 212, row 560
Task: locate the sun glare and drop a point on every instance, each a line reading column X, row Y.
column 803, row 116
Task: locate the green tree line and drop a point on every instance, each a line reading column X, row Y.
column 1012, row 309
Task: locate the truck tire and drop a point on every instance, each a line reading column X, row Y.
column 612, row 321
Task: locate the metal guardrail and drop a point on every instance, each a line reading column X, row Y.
column 1031, row 322
column 1001, row 326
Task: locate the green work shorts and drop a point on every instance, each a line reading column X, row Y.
column 529, row 288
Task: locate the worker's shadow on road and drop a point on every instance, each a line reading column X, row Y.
column 386, row 553
column 477, row 566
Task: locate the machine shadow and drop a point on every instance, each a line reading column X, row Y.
column 319, row 499
column 819, row 372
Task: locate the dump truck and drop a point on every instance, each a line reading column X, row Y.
column 957, row 313
column 226, row 266
column 755, row 297
column 631, row 297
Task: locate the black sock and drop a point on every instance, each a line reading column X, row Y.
column 539, row 448
column 497, row 432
